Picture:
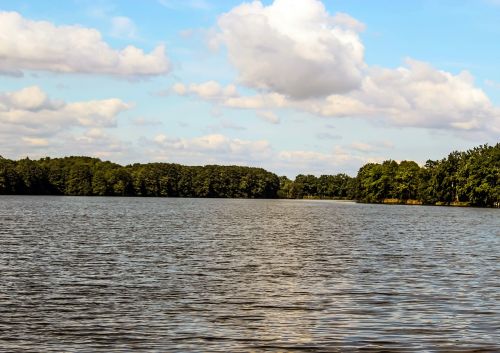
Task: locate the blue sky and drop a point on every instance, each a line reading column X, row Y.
column 294, row 86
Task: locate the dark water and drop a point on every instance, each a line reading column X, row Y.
column 198, row 275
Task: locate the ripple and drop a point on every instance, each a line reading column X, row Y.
column 188, row 275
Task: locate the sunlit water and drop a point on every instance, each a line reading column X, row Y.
column 214, row 275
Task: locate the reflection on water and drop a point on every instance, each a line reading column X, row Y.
column 192, row 275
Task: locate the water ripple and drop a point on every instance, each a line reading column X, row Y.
column 191, row 275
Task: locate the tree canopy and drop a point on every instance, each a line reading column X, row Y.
column 463, row 178
column 85, row 176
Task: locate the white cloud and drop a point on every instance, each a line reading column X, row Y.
column 29, row 98
column 31, row 110
column 43, row 46
column 215, row 143
column 295, row 48
column 31, row 123
column 413, row 95
column 228, row 96
column 418, row 95
column 212, row 89
column 123, row 27
column 306, row 59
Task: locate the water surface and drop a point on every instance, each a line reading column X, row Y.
column 212, row 275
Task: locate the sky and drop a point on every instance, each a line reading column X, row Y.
column 293, row 86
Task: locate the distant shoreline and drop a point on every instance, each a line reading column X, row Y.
column 470, row 178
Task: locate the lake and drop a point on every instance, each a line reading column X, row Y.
column 91, row 274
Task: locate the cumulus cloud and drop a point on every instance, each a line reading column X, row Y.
column 418, row 95
column 293, row 48
column 32, row 123
column 413, row 95
column 29, row 98
column 31, row 111
column 43, row 46
column 228, row 96
column 297, row 55
column 45, row 127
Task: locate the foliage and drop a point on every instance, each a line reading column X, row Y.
column 85, row 176
column 463, row 178
column 309, row 186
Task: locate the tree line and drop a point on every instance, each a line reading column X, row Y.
column 85, row 176
column 470, row 178
column 463, row 178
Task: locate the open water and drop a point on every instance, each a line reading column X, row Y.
column 215, row 275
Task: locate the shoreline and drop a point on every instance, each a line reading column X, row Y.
column 389, row 202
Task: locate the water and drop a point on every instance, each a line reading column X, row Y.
column 212, row 275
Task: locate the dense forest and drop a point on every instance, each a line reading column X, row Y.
column 470, row 178
column 85, row 176
column 463, row 178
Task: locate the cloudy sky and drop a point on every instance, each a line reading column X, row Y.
column 294, row 86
